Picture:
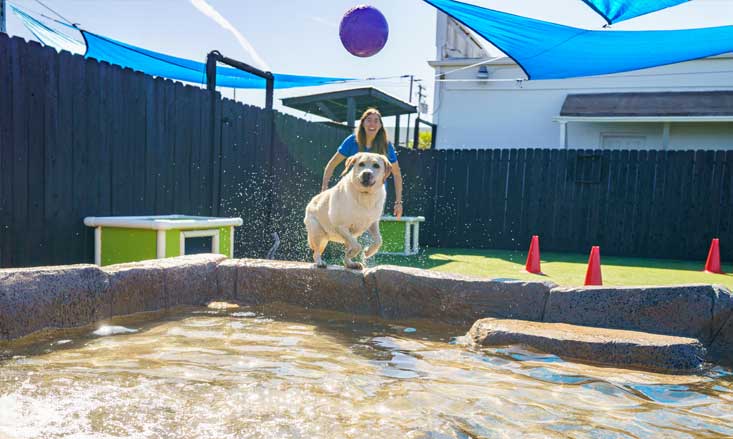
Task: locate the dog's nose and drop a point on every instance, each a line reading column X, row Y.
column 366, row 177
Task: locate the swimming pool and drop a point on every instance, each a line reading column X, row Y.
column 281, row 371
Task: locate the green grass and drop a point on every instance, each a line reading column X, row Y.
column 565, row 269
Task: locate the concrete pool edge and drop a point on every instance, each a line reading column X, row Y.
column 32, row 299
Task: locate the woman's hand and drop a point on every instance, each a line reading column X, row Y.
column 397, row 174
column 398, row 209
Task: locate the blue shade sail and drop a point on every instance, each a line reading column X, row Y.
column 158, row 64
column 619, row 10
column 552, row 51
column 48, row 36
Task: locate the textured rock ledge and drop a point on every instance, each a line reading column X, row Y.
column 387, row 291
column 697, row 311
column 595, row 345
column 256, row 281
column 70, row 296
column 32, row 299
column 410, row 292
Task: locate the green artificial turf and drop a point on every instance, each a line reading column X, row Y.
column 565, row 269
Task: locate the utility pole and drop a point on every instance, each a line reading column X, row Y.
column 416, row 135
column 419, row 97
column 2, row 17
column 407, row 131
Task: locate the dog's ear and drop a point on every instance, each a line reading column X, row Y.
column 349, row 163
column 387, row 168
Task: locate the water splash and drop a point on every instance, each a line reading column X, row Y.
column 106, row 330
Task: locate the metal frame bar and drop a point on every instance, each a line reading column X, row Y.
column 416, row 135
column 215, row 56
column 211, row 59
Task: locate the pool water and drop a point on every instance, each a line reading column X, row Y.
column 285, row 372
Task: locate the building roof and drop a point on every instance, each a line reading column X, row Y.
column 692, row 104
column 335, row 105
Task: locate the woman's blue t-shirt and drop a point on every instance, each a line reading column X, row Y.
column 349, row 147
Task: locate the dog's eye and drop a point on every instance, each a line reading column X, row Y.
column 375, row 166
column 361, row 165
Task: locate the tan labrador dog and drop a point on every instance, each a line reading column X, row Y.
column 345, row 211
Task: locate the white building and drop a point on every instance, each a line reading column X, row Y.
column 681, row 106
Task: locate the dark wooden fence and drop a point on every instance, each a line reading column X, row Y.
column 666, row 204
column 81, row 138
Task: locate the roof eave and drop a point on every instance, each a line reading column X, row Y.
column 620, row 119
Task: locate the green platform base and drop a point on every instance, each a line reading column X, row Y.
column 400, row 237
column 137, row 238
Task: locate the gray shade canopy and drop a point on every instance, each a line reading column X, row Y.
column 348, row 105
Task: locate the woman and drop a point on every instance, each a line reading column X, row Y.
column 369, row 136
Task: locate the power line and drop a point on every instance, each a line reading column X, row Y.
column 485, row 61
column 57, row 14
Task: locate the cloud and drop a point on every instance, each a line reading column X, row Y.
column 324, row 21
column 212, row 13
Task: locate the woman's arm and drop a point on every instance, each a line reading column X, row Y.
column 397, row 189
column 328, row 172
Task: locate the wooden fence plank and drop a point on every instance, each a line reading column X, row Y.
column 566, row 198
column 475, row 204
column 515, row 197
column 110, row 128
column 715, row 191
column 549, row 204
column 166, row 182
column 150, row 145
column 80, row 159
column 705, row 195
column 137, row 167
column 38, row 75
column 57, row 145
column 7, row 229
column 533, row 190
column 459, row 182
column 116, row 151
column 726, row 200
column 21, row 63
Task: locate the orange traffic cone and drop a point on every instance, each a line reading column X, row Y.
column 593, row 274
column 533, row 257
column 712, row 265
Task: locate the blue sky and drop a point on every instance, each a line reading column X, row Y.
column 298, row 37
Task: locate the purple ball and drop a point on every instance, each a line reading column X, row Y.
column 363, row 30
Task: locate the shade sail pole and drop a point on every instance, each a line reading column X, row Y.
column 211, row 60
column 215, row 56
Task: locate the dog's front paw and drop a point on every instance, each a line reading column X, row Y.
column 320, row 264
column 354, row 265
column 353, row 251
column 369, row 252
